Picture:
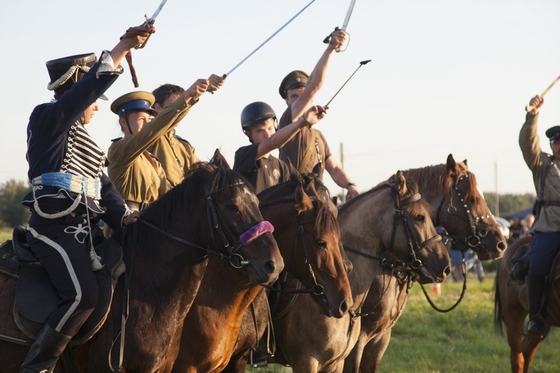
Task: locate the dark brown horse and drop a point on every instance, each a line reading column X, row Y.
column 166, row 256
column 459, row 207
column 510, row 308
column 307, row 233
column 386, row 227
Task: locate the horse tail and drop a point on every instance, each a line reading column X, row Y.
column 498, row 316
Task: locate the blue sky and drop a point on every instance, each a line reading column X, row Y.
column 445, row 77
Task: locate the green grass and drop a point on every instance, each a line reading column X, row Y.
column 461, row 341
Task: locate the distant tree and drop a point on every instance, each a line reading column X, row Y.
column 510, row 203
column 12, row 212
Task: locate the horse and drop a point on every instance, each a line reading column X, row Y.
column 388, row 226
column 511, row 308
column 212, row 212
column 459, row 207
column 307, row 233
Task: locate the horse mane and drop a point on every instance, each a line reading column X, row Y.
column 325, row 219
column 411, row 186
column 203, row 178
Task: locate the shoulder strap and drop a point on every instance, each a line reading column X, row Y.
column 308, row 152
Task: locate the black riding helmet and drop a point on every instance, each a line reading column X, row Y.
column 256, row 112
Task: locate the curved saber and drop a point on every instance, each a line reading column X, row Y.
column 156, row 13
column 267, row 40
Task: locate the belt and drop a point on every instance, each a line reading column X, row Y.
column 71, row 183
column 137, row 206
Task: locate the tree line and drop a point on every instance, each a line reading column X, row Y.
column 13, row 213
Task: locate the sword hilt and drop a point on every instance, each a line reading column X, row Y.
column 149, row 22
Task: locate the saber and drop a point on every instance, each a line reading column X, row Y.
column 150, row 21
column 529, row 108
column 355, row 71
column 267, row 40
column 344, row 26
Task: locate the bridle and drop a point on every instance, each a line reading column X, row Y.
column 402, row 216
column 317, row 289
column 224, row 243
column 405, row 272
column 478, row 231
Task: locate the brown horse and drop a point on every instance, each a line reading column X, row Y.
column 459, row 207
column 386, row 227
column 165, row 253
column 307, row 232
column 510, row 307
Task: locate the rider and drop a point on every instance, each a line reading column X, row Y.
column 546, row 229
column 137, row 174
column 308, row 150
column 258, row 122
column 176, row 154
column 70, row 191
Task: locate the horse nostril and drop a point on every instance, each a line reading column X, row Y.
column 447, row 271
column 270, row 266
column 501, row 246
column 343, row 307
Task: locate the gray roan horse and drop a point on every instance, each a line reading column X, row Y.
column 386, row 231
column 307, row 233
column 459, row 207
column 166, row 257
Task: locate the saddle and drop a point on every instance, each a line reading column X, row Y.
column 281, row 301
column 33, row 296
column 520, row 264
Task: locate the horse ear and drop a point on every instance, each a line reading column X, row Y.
column 219, row 160
column 303, row 202
column 400, row 182
column 465, row 162
column 294, row 173
column 451, row 163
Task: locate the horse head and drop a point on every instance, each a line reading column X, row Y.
column 308, row 235
column 418, row 245
column 463, row 212
column 216, row 213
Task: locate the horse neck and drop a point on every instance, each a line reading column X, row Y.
column 226, row 289
column 361, row 230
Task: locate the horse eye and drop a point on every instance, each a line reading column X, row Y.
column 321, row 243
column 420, row 218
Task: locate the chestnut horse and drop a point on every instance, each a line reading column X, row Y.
column 165, row 253
column 459, row 207
column 307, row 233
column 387, row 227
column 511, row 308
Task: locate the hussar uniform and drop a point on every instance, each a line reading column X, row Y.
column 136, row 173
column 68, row 188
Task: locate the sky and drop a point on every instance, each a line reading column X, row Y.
column 445, row 77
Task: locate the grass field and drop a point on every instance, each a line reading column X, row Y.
column 5, row 234
column 461, row 341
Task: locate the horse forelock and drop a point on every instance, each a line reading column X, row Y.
column 325, row 220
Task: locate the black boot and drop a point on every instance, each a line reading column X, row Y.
column 536, row 286
column 45, row 351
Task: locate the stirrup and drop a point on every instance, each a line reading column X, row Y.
column 536, row 326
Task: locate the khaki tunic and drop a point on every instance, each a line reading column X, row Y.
column 136, row 175
column 176, row 156
column 295, row 149
column 537, row 160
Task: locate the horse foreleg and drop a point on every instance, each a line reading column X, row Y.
column 513, row 315
column 354, row 359
column 529, row 348
column 305, row 365
column 374, row 351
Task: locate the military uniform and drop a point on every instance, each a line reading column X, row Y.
column 546, row 228
column 307, row 151
column 137, row 174
column 176, row 156
column 262, row 173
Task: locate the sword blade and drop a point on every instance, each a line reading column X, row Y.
column 156, row 13
column 348, row 15
column 267, row 40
